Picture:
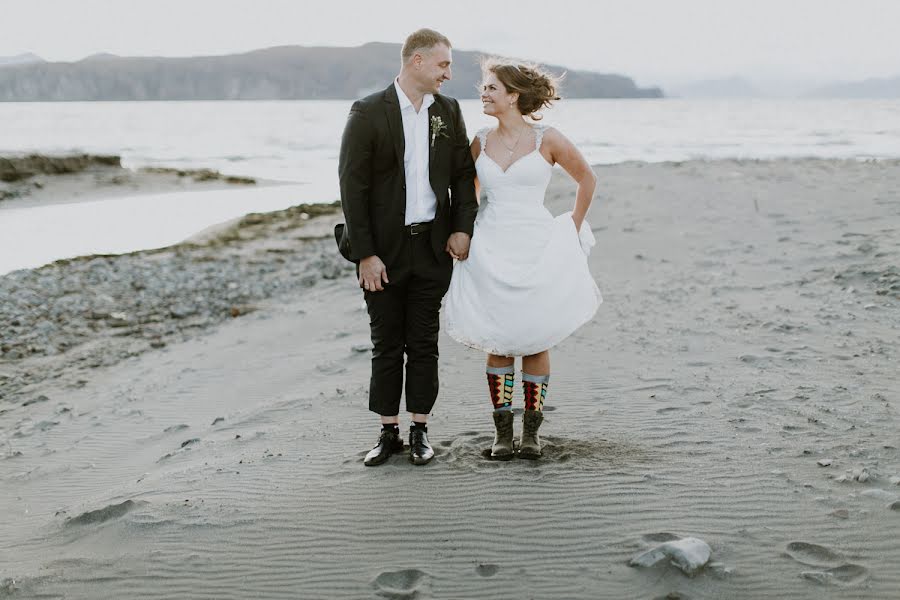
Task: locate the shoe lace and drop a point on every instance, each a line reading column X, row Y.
column 530, row 426
column 385, row 436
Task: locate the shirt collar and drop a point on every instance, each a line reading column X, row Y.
column 405, row 102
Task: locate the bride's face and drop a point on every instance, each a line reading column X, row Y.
column 495, row 100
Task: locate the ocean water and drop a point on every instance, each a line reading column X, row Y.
column 298, row 142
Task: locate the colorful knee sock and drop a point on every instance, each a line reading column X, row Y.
column 535, row 387
column 500, row 383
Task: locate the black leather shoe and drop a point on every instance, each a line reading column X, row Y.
column 389, row 442
column 420, row 451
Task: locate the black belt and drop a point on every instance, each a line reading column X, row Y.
column 417, row 228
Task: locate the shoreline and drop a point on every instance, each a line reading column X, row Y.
column 119, row 305
column 115, row 209
column 36, row 180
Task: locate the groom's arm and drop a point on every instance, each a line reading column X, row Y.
column 355, row 172
column 464, row 204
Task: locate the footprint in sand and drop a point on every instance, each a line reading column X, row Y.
column 467, row 449
column 487, row 570
column 107, row 513
column 401, row 585
column 842, row 575
column 331, row 368
column 831, row 570
column 813, row 554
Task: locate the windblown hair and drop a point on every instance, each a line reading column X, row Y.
column 536, row 87
column 420, row 41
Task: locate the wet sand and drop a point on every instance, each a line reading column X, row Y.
column 41, row 180
column 738, row 385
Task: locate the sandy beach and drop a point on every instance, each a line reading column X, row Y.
column 190, row 422
column 41, row 180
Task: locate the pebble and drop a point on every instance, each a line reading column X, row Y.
column 56, row 308
column 825, row 462
column 689, row 554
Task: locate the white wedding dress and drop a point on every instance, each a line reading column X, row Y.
column 525, row 286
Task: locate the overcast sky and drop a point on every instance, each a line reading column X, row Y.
column 654, row 41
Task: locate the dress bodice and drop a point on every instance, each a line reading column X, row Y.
column 523, row 182
column 526, row 285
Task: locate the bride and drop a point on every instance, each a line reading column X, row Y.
column 524, row 285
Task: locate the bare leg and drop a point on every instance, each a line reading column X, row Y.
column 390, row 420
column 536, row 364
column 495, row 361
column 417, row 418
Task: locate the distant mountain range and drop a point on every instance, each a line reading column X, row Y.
column 869, row 88
column 731, row 87
column 20, row 59
column 281, row 73
column 739, row 87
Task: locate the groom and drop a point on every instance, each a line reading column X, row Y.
column 408, row 195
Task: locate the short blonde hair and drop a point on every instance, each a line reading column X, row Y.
column 536, row 87
column 423, row 39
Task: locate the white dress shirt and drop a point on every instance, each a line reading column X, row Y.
column 421, row 202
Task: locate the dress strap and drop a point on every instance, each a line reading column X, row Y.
column 482, row 136
column 538, row 134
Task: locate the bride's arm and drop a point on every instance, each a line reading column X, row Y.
column 564, row 153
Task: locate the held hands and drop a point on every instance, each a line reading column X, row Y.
column 372, row 274
column 458, row 245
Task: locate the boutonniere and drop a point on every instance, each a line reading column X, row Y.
column 438, row 128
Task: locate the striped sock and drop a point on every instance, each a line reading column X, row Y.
column 535, row 387
column 500, row 383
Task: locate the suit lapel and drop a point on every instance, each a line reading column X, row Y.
column 433, row 111
column 395, row 122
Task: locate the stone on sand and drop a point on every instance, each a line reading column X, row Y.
column 689, row 554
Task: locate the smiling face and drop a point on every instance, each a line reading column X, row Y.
column 495, row 99
column 432, row 68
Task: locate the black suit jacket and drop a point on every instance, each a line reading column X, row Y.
column 373, row 179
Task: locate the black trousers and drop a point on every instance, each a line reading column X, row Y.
column 404, row 320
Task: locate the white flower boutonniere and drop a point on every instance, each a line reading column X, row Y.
column 438, row 128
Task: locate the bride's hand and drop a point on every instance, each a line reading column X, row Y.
column 578, row 223
column 458, row 245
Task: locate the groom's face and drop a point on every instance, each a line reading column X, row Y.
column 434, row 68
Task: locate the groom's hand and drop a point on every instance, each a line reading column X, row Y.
column 458, row 245
column 372, row 274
